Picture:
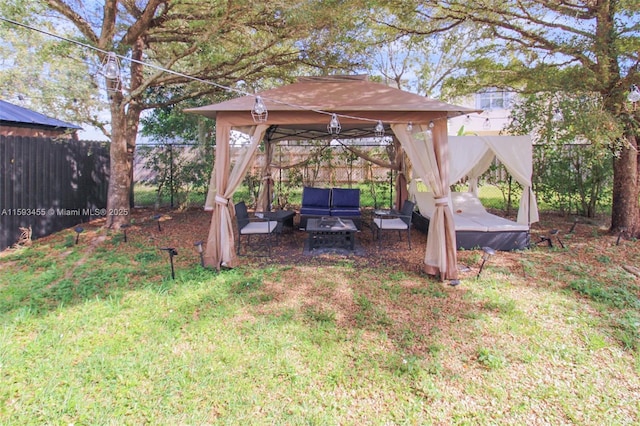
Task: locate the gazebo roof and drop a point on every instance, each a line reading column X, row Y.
column 301, row 110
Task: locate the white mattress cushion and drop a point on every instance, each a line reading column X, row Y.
column 468, row 213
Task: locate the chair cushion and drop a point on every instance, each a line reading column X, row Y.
column 315, row 211
column 345, row 197
column 345, row 212
column 390, row 223
column 265, row 227
column 316, row 197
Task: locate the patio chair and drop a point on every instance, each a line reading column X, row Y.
column 394, row 221
column 249, row 226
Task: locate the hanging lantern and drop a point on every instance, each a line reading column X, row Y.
column 259, row 111
column 634, row 94
column 111, row 67
column 334, row 125
column 379, row 130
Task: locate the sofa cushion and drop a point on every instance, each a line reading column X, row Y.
column 345, row 197
column 316, row 197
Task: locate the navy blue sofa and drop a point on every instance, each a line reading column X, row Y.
column 340, row 202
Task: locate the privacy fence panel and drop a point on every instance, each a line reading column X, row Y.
column 50, row 185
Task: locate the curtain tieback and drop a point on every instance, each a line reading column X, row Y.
column 221, row 200
column 441, row 201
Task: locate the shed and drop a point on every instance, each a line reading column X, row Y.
column 19, row 121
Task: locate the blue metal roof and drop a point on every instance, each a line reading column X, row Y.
column 21, row 116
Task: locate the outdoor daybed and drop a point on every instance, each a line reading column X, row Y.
column 474, row 226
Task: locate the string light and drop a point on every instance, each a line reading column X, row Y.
column 334, row 116
column 557, row 116
column 334, row 125
column 111, row 67
column 379, row 130
column 259, row 111
column 634, row 94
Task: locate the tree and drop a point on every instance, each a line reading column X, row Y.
column 42, row 73
column 208, row 46
column 552, row 46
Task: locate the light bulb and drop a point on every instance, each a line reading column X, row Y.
column 409, row 127
column 111, row 69
column 379, row 130
column 557, row 115
column 259, row 107
column 486, row 124
column 634, row 94
column 334, row 125
column 259, row 111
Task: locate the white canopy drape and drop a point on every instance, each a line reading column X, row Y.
column 472, row 155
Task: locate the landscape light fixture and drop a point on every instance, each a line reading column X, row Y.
column 200, row 250
column 259, row 111
column 555, row 232
column 621, row 232
column 486, row 255
column 172, row 252
column 573, row 227
column 78, row 230
column 334, row 125
column 124, row 231
column 379, row 129
column 634, row 94
column 157, row 219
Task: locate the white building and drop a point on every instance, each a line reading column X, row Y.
column 496, row 106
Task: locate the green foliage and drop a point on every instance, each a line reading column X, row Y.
column 572, row 155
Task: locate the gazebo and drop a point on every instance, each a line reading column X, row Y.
column 303, row 110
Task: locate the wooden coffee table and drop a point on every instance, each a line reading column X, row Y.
column 331, row 232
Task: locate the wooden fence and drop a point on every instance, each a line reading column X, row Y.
column 50, row 185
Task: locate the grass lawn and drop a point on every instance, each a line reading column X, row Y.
column 98, row 333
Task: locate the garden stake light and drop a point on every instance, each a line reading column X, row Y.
column 620, row 234
column 573, row 227
column 172, row 252
column 555, row 232
column 200, row 251
column 157, row 218
column 78, row 230
column 488, row 252
column 124, row 232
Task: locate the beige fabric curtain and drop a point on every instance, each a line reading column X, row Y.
column 266, row 184
column 221, row 243
column 428, row 153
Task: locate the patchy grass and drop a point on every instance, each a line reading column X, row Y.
column 98, row 333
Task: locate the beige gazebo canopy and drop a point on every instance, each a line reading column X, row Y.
column 302, row 111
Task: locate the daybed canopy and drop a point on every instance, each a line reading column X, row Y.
column 302, row 111
column 471, row 156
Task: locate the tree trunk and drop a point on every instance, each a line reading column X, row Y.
column 120, row 168
column 625, row 210
column 125, row 118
